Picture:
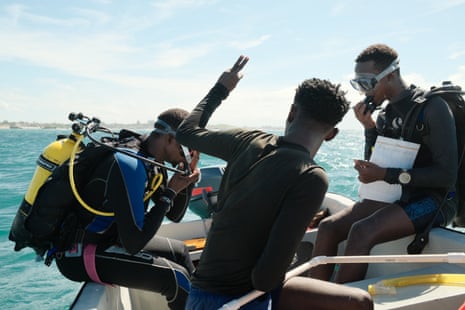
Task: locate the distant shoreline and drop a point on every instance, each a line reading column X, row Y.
column 138, row 126
column 34, row 125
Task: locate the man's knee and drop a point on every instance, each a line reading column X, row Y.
column 362, row 235
column 361, row 300
column 359, row 230
column 329, row 230
column 305, row 293
column 325, row 225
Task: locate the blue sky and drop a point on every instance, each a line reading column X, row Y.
column 126, row 61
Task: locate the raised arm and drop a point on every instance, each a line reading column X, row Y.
column 192, row 131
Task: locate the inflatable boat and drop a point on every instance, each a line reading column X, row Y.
column 432, row 280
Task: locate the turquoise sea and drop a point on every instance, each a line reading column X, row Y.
column 28, row 284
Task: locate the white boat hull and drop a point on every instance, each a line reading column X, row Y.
column 425, row 296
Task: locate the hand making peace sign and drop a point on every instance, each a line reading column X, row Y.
column 231, row 77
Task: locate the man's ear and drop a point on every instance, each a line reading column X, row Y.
column 171, row 139
column 391, row 76
column 330, row 136
column 291, row 114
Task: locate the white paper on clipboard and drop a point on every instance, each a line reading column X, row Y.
column 389, row 153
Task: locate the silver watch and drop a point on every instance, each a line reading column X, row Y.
column 404, row 177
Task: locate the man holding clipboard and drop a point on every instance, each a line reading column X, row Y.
column 424, row 185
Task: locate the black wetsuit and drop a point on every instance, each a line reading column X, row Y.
column 435, row 169
column 127, row 253
column 269, row 193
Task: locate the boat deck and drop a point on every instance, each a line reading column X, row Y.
column 420, row 296
column 411, row 297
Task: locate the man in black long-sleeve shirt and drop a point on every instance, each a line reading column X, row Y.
column 270, row 191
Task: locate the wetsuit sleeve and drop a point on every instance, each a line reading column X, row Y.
column 125, row 195
column 192, row 131
column 370, row 138
column 300, row 204
column 180, row 204
column 442, row 142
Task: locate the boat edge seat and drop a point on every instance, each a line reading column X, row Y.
column 421, row 296
column 441, row 241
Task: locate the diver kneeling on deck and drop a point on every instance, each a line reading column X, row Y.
column 270, row 191
column 121, row 249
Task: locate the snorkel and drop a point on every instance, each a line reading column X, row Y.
column 370, row 106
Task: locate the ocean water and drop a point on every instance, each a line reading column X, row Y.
column 28, row 284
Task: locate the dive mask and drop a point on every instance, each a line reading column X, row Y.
column 167, row 130
column 365, row 82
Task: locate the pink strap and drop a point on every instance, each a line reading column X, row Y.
column 89, row 262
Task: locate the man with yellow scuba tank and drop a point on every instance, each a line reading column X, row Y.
column 112, row 231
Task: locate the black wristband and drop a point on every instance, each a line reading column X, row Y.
column 222, row 91
column 167, row 202
column 170, row 193
column 392, row 175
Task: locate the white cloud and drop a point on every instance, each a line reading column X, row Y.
column 13, row 102
column 20, row 13
column 80, row 56
column 418, row 80
column 3, row 104
column 167, row 8
column 456, row 54
column 103, row 1
column 251, row 43
column 103, row 55
column 421, row 81
column 124, row 60
column 94, row 16
column 444, row 5
column 255, row 107
column 14, row 11
column 168, row 56
column 459, row 77
column 337, row 9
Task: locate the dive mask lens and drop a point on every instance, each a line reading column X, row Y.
column 366, row 83
column 363, row 84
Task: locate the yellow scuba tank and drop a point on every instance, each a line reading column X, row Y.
column 52, row 156
column 43, row 220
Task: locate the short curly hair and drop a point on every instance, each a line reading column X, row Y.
column 172, row 117
column 321, row 101
column 381, row 54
